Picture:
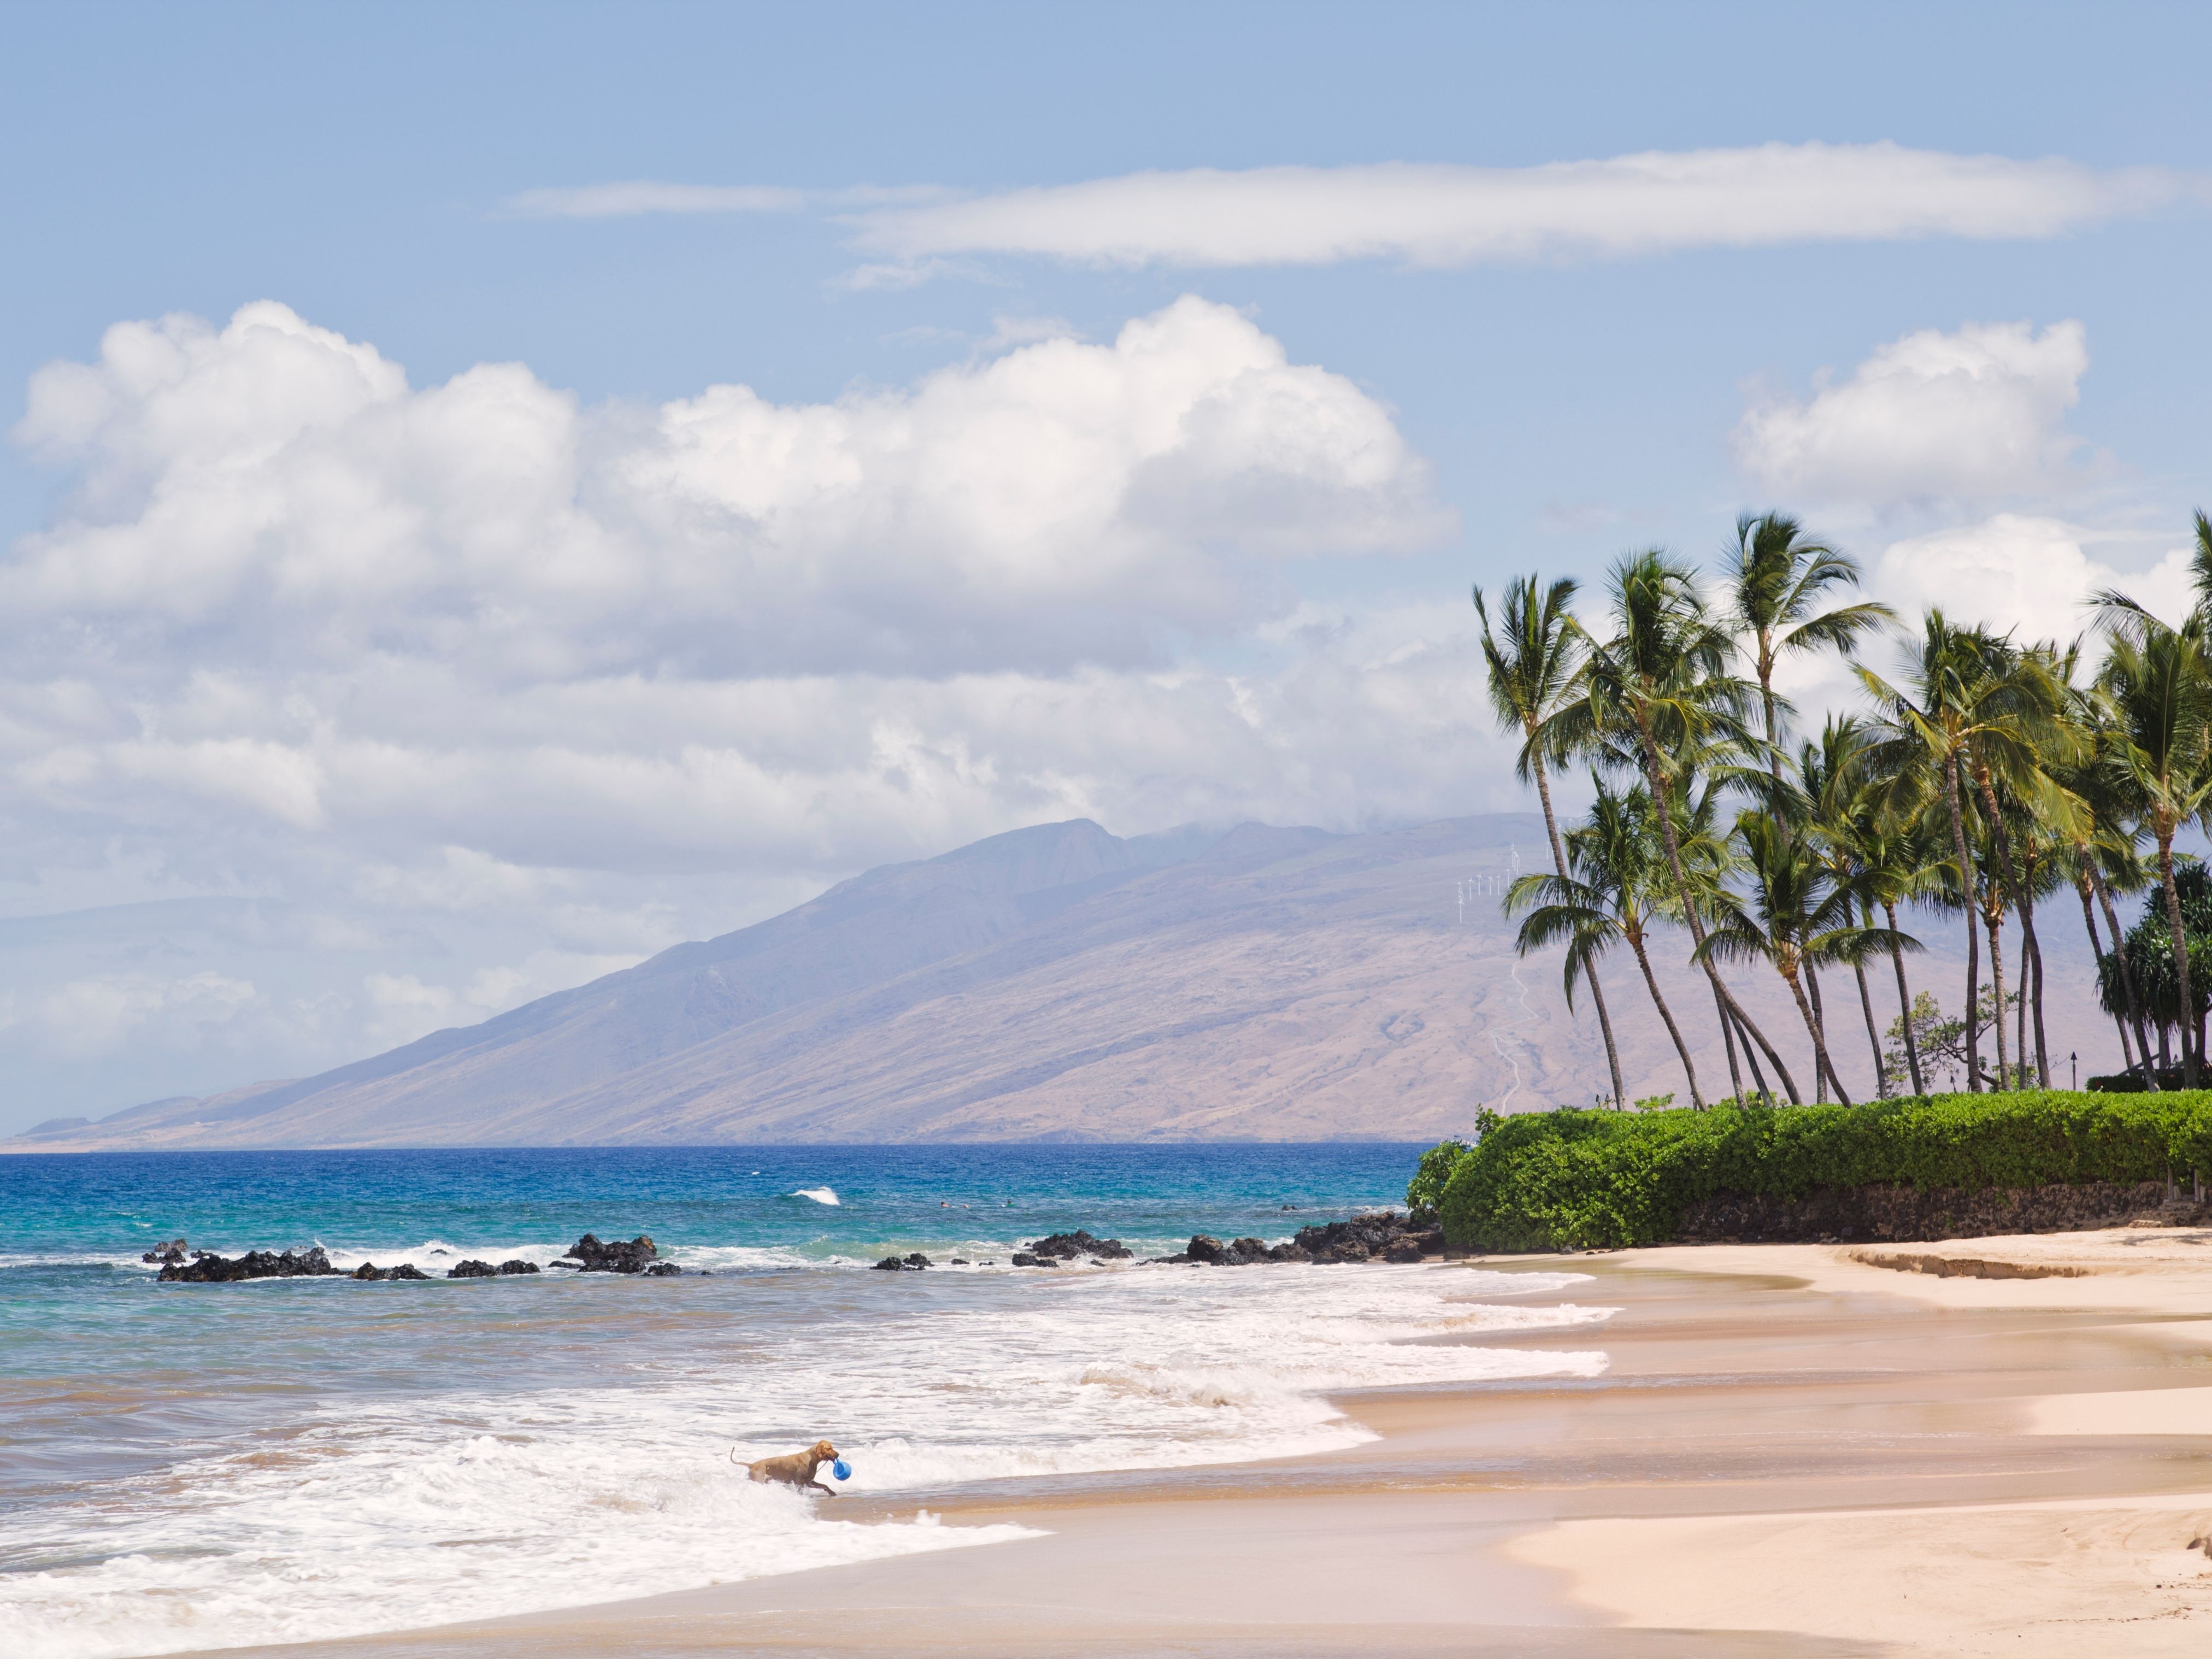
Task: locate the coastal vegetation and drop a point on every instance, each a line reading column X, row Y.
column 1595, row 1179
column 1984, row 777
column 1981, row 778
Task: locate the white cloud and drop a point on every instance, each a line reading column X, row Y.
column 86, row 1017
column 490, row 692
column 2020, row 572
column 285, row 486
column 404, row 1008
column 1933, row 417
column 1433, row 215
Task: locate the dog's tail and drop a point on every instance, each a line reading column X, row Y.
column 734, row 1456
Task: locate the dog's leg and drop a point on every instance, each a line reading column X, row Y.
column 816, row 1485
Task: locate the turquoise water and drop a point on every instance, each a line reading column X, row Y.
column 193, row 1466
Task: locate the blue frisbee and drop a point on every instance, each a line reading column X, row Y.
column 841, row 1469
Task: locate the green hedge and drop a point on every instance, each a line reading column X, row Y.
column 1586, row 1179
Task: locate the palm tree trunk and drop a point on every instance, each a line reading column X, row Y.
column 1655, row 776
column 1904, row 1003
column 2097, row 950
column 2024, row 901
column 1758, row 1076
column 2127, row 973
column 1820, row 1014
column 1966, row 899
column 2035, row 949
column 1821, row 1061
column 1666, row 1016
column 2180, row 953
column 1874, row 1042
column 1727, row 1041
column 1589, row 969
column 1995, row 922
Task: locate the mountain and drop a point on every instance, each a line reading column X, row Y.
column 1056, row 982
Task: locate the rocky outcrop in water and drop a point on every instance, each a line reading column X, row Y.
column 171, row 1255
column 518, row 1266
column 207, row 1268
column 405, row 1270
column 1065, row 1247
column 912, row 1264
column 472, row 1269
column 1384, row 1235
column 635, row 1255
column 1031, row 1259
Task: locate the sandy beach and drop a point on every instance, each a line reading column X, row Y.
column 1990, row 1446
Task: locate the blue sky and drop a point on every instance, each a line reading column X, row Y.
column 347, row 699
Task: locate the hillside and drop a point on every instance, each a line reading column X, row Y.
column 1054, row 982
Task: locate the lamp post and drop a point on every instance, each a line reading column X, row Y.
column 2074, row 1063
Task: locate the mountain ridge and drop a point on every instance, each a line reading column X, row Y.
column 1054, row 983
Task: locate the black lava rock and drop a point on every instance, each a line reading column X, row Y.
column 1031, row 1259
column 472, row 1270
column 518, row 1266
column 1065, row 1247
column 633, row 1256
column 171, row 1255
column 207, row 1268
column 663, row 1270
column 370, row 1270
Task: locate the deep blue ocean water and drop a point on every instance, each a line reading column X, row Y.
column 211, row 1465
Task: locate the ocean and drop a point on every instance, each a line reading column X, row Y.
column 205, row 1465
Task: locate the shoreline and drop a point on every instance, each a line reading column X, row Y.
column 1793, row 1451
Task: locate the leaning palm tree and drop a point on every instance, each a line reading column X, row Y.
column 1791, row 917
column 2104, row 849
column 1960, row 704
column 2013, row 757
column 1618, row 888
column 1657, row 689
column 2158, row 687
column 1864, row 859
column 1777, row 580
column 1532, row 657
column 1899, row 863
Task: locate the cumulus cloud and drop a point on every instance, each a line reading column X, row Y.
column 1061, row 501
column 498, row 691
column 1933, row 417
column 2016, row 572
column 1654, row 202
column 87, row 1016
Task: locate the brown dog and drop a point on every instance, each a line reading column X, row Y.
column 795, row 1469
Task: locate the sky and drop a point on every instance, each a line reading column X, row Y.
column 491, row 492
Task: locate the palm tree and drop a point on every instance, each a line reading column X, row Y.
column 1659, row 687
column 1863, row 858
column 2104, row 849
column 2011, row 754
column 1960, row 707
column 1776, row 583
column 1899, row 864
column 1532, row 674
column 1618, row 887
column 2160, row 691
column 1792, row 916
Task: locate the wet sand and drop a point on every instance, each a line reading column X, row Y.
column 1795, row 1451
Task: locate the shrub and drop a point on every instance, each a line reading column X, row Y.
column 1424, row 1191
column 1584, row 1179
